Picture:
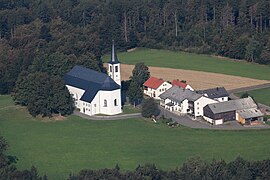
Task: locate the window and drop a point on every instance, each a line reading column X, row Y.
column 110, row 68
column 197, row 103
column 116, row 68
column 105, row 103
column 83, row 103
column 115, row 102
column 95, row 105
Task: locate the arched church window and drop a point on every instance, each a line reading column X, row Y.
column 110, row 68
column 115, row 102
column 116, row 68
column 105, row 103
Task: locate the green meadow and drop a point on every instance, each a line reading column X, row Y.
column 58, row 148
column 197, row 62
column 260, row 95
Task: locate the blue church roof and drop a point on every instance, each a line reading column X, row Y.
column 89, row 80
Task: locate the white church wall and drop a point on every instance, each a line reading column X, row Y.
column 111, row 97
column 76, row 93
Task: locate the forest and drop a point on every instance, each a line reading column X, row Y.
column 51, row 36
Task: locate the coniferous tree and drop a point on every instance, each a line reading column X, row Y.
column 150, row 108
column 135, row 93
column 140, row 74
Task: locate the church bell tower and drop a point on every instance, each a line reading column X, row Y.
column 114, row 67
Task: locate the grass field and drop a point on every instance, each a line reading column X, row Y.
column 188, row 61
column 60, row 147
column 260, row 95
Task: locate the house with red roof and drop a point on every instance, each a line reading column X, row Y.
column 153, row 87
column 181, row 84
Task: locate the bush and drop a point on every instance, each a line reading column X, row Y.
column 150, row 108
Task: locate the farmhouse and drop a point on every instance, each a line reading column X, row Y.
column 181, row 84
column 184, row 101
column 153, row 87
column 94, row 92
column 244, row 111
column 219, row 94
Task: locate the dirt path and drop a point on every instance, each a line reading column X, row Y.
column 197, row 79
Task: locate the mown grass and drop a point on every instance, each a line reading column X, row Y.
column 189, row 61
column 260, row 95
column 129, row 109
column 60, row 147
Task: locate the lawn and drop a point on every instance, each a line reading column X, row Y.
column 60, row 147
column 189, row 61
column 260, row 95
column 129, row 109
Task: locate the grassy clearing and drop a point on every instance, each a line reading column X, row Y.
column 260, row 95
column 60, row 147
column 129, row 109
column 189, row 61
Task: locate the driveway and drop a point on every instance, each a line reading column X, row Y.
column 201, row 124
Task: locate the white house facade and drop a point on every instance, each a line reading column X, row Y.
column 184, row 101
column 154, row 87
column 219, row 94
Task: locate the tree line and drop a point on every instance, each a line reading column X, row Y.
column 50, row 37
column 237, row 29
column 194, row 168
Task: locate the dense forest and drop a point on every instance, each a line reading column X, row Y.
column 51, row 36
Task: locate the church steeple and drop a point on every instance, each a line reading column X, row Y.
column 114, row 59
column 114, row 67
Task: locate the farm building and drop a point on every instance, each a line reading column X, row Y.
column 184, row 101
column 153, row 87
column 181, row 84
column 244, row 111
column 220, row 94
column 94, row 92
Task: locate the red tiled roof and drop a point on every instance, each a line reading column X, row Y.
column 153, row 82
column 179, row 83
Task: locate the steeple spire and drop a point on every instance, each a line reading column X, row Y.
column 114, row 59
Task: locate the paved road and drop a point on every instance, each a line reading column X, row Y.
column 116, row 117
column 201, row 124
column 250, row 88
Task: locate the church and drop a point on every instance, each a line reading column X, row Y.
column 95, row 92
